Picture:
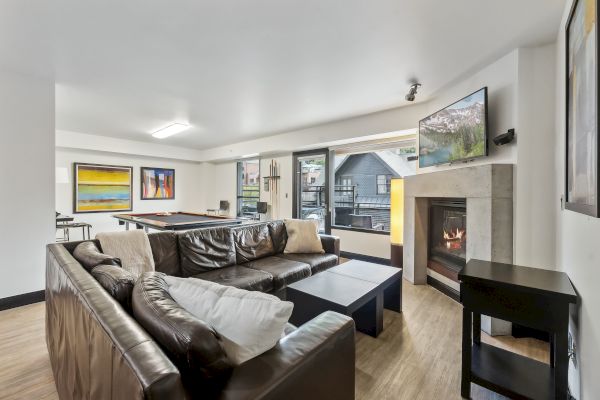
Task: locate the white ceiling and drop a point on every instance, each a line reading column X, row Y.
column 236, row 70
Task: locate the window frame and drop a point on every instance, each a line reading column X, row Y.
column 239, row 185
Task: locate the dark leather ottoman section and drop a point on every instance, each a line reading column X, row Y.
column 283, row 271
column 317, row 262
column 240, row 277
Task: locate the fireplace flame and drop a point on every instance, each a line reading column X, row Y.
column 454, row 235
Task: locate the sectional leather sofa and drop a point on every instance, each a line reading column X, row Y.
column 99, row 350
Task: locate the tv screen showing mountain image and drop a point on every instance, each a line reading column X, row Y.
column 456, row 133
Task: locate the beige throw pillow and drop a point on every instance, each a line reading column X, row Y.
column 303, row 236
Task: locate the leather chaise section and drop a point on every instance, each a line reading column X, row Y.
column 203, row 250
column 240, row 277
column 283, row 271
column 317, row 262
column 97, row 350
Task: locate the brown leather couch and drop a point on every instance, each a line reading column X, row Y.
column 98, row 350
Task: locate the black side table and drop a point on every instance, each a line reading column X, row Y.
column 531, row 297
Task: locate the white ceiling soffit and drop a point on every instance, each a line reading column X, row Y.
column 238, row 70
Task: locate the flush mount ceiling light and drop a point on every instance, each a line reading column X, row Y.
column 170, row 130
column 251, row 155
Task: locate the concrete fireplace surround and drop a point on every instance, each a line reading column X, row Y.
column 488, row 190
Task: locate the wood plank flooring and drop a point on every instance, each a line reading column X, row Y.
column 417, row 356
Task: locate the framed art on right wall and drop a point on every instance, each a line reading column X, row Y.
column 582, row 108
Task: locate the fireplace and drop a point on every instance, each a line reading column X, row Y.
column 447, row 236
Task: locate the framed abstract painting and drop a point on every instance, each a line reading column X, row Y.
column 582, row 144
column 102, row 188
column 157, row 183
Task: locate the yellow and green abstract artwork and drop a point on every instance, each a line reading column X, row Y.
column 102, row 188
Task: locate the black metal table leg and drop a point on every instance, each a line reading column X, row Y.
column 465, row 383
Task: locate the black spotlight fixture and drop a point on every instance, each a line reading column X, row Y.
column 410, row 96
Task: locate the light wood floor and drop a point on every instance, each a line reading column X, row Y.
column 417, row 356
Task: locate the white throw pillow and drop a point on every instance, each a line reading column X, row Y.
column 249, row 323
column 303, row 236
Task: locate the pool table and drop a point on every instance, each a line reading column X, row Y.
column 174, row 221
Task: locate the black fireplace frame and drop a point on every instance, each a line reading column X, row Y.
column 450, row 204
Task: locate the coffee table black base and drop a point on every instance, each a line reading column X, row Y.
column 360, row 291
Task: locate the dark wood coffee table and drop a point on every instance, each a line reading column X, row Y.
column 356, row 288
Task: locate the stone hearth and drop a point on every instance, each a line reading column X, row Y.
column 488, row 190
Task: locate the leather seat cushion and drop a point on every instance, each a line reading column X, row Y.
column 240, row 277
column 117, row 282
column 317, row 262
column 283, row 271
column 252, row 242
column 165, row 252
column 203, row 250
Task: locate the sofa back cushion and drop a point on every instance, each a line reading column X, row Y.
column 191, row 344
column 278, row 235
column 117, row 282
column 165, row 252
column 204, row 250
column 89, row 255
column 252, row 242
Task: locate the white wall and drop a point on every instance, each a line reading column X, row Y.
column 535, row 199
column 190, row 187
column 27, row 200
column 368, row 244
column 578, row 249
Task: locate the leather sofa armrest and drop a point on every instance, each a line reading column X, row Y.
column 316, row 361
column 331, row 244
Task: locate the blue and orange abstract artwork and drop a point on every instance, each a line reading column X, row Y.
column 158, row 183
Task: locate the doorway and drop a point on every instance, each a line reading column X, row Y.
column 311, row 187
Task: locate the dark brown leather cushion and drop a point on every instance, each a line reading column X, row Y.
column 240, row 277
column 252, row 242
column 203, row 250
column 278, row 235
column 317, row 262
column 283, row 271
column 165, row 252
column 89, row 255
column 117, row 282
column 191, row 344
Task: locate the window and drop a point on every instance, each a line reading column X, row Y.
column 363, row 177
column 248, row 187
column 383, row 184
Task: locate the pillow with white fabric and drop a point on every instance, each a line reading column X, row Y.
column 249, row 323
column 303, row 236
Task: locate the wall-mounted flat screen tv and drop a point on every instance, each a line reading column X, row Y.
column 456, row 133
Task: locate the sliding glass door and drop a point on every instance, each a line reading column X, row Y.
column 311, row 187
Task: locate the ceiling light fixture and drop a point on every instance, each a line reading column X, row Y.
column 251, row 155
column 170, row 130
